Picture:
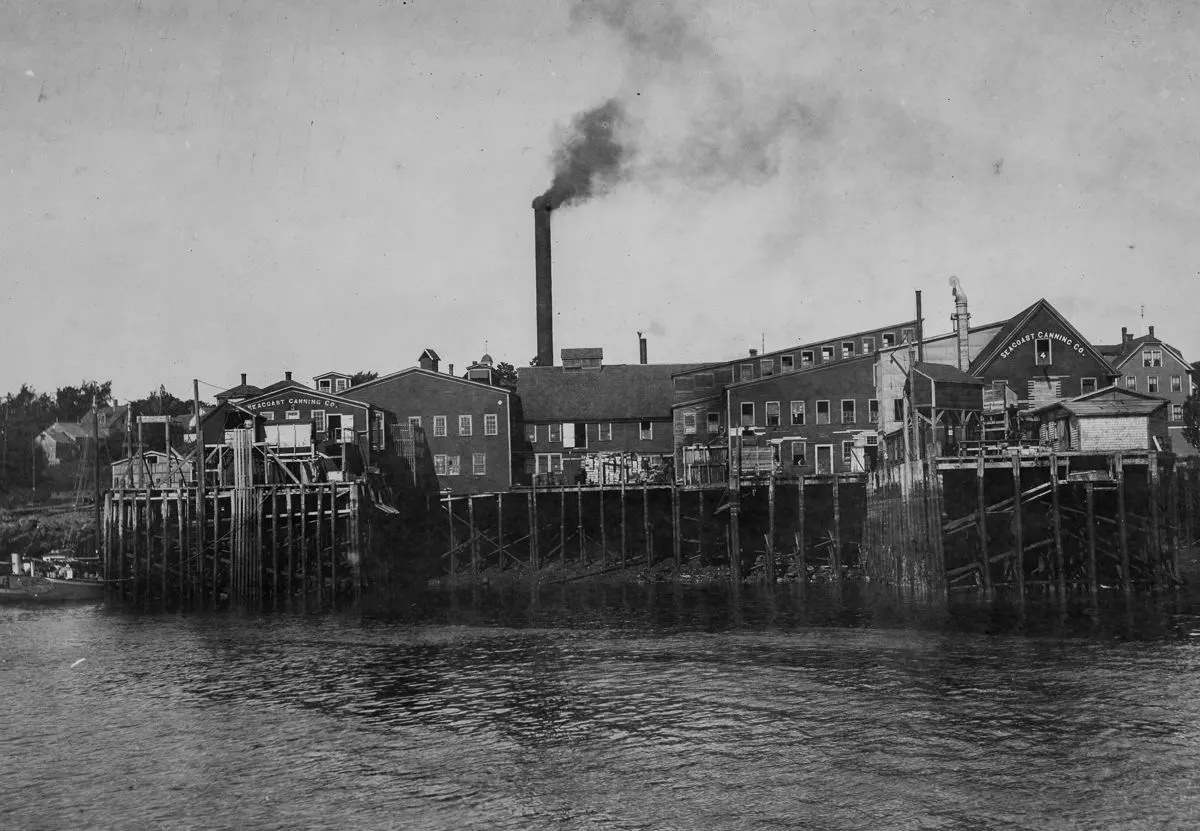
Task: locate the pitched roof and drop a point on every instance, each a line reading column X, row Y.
column 1018, row 322
column 611, row 393
column 801, row 374
column 240, row 391
column 582, row 352
column 429, row 373
column 1109, row 401
column 1123, row 352
column 946, row 373
column 296, row 385
column 283, row 385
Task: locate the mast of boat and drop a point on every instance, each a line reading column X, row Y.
column 96, row 471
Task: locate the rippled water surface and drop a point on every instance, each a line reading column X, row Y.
column 606, row 708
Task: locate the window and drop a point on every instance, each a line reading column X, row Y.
column 689, row 424
column 868, row 346
column 1087, row 385
column 1176, row 412
column 554, row 432
column 548, row 463
column 479, row 464
column 378, row 438
column 1131, row 382
column 822, row 412
column 318, row 420
column 889, row 339
column 714, row 423
column 906, row 334
column 452, row 466
column 787, row 363
column 414, row 421
column 269, row 415
column 439, row 464
column 766, row 366
column 799, row 453
column 439, row 425
column 847, row 452
column 292, row 415
column 323, row 385
column 798, row 413
column 683, row 384
column 491, row 424
column 747, row 414
column 604, row 431
column 704, row 380
column 897, row 409
column 531, row 433
column 873, row 410
column 746, row 372
column 848, row 413
column 1176, row 383
column 1152, row 357
column 826, row 354
column 771, row 413
column 465, row 428
column 646, row 430
column 1042, row 355
column 806, row 358
column 1151, row 383
column 847, row 349
column 339, row 385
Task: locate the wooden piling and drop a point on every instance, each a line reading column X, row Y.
column 579, row 526
column 304, row 589
column 531, row 509
column 1093, row 586
column 1060, row 566
column 603, row 524
column 453, row 541
column 769, row 552
column 318, row 545
column 1018, row 526
column 562, row 524
column 333, row 537
column 1173, row 517
column 500, row 530
column 985, row 571
column 274, row 497
column 801, row 565
column 836, row 553
column 646, row 529
column 624, row 552
column 1122, row 526
column 474, row 536
column 1154, row 555
column 676, row 542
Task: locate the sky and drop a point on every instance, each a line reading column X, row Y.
column 196, row 190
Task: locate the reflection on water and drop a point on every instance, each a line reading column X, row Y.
column 608, row 707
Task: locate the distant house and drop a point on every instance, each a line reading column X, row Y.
column 62, row 442
column 1106, row 421
column 586, row 421
column 1151, row 365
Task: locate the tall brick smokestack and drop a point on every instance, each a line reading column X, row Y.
column 962, row 328
column 642, row 358
column 542, row 281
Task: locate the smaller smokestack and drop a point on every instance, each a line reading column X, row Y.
column 1124, row 335
column 641, row 349
column 1151, row 331
column 962, row 328
column 287, row 376
column 243, row 379
column 753, row 353
column 450, row 369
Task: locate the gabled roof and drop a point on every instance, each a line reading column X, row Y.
column 332, row 374
column 612, row 393
column 66, row 432
column 1109, row 401
column 795, row 347
column 582, row 352
column 301, row 388
column 240, row 391
column 1018, row 322
column 1122, row 354
column 284, row 384
column 430, row 353
column 428, row 373
column 946, row 374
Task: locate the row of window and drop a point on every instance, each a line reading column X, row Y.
column 797, row 415
column 466, row 424
column 1176, row 382
column 444, row 465
column 333, row 384
column 603, row 430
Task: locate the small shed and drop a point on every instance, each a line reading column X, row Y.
column 153, row 468
column 1106, row 421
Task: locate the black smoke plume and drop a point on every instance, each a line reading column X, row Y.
column 591, row 157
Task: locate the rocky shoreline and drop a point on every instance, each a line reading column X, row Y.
column 37, row 531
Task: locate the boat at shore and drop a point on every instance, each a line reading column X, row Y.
column 53, row 578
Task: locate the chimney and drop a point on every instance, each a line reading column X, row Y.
column 753, row 353
column 1151, row 331
column 450, row 369
column 243, row 379
column 287, row 376
column 542, row 282
column 641, row 349
column 1124, row 335
column 962, row 327
column 429, row 360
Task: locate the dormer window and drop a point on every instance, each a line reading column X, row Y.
column 324, row 385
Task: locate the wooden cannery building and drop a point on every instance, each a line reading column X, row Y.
column 700, row 410
column 455, row 433
column 595, row 423
column 1151, row 365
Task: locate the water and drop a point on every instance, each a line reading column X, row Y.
column 606, row 708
